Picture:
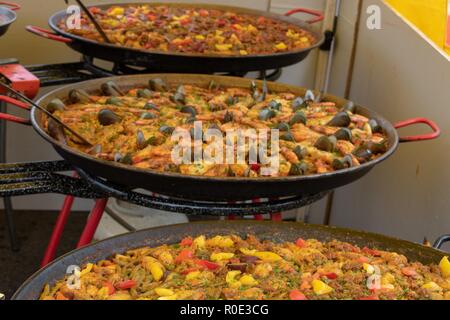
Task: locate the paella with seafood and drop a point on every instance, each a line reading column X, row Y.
column 204, row 31
column 136, row 128
column 230, row 267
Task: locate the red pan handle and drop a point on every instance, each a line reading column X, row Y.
column 422, row 137
column 16, row 103
column 319, row 15
column 47, row 34
column 13, row 6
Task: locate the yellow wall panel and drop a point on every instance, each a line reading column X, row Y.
column 430, row 16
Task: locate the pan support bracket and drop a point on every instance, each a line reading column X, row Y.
column 50, row 177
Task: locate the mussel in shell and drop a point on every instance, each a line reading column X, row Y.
column 267, row 114
column 300, row 152
column 55, row 105
column 107, row 117
column 325, row 143
column 344, row 163
column 148, row 116
column 283, row 126
column 287, row 136
column 56, row 131
column 342, row 119
column 79, row 96
column 309, row 96
column 166, row 129
column 298, row 169
column 115, row 101
column 144, row 93
column 344, row 134
column 298, row 117
column 374, row 126
column 275, row 105
column 179, row 95
column 298, row 104
column 363, row 154
column 151, row 106
column 110, row 88
column 141, row 143
column 349, row 107
column 189, row 110
column 158, row 84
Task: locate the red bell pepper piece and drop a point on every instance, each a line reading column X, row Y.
column 371, row 297
column 331, row 275
column 188, row 270
column 208, row 264
column 186, row 242
column 297, row 295
column 184, row 254
column 127, row 284
column 300, row 243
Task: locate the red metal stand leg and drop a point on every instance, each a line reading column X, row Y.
column 92, row 223
column 276, row 217
column 57, row 231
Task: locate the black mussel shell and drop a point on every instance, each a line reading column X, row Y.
column 144, row 93
column 287, row 136
column 344, row 134
column 344, row 163
column 166, row 129
column 189, row 110
column 79, row 96
column 325, row 143
column 349, row 107
column 158, row 84
column 148, row 116
column 275, row 105
column 283, row 126
column 267, row 114
column 115, row 101
column 151, row 106
column 110, row 88
column 309, row 96
column 107, row 117
column 298, row 169
column 298, row 117
column 342, row 119
column 55, row 105
column 374, row 126
column 298, row 104
column 300, row 152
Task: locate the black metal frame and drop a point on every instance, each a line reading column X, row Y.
column 48, row 177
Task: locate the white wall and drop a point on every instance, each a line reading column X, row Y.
column 24, row 145
column 401, row 76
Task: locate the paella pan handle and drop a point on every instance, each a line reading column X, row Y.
column 422, row 137
column 47, row 34
column 9, row 117
column 319, row 15
column 13, row 6
column 441, row 240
